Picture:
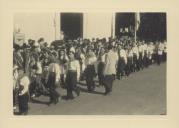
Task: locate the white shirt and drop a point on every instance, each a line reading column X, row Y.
column 150, row 50
column 91, row 60
column 102, row 58
column 141, row 49
column 123, row 55
column 15, row 77
column 74, row 66
column 130, row 53
column 145, row 47
column 24, row 81
column 39, row 68
column 72, row 49
column 165, row 47
column 111, row 60
column 160, row 49
column 136, row 51
column 54, row 67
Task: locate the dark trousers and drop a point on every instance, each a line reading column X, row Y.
column 62, row 79
column 164, row 56
column 129, row 67
column 100, row 73
column 155, row 57
column 108, row 82
column 145, row 61
column 121, row 68
column 23, row 103
column 140, row 61
column 54, row 95
column 159, row 59
column 90, row 73
column 37, row 86
column 71, row 83
column 15, row 97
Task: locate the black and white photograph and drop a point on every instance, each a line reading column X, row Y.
column 89, row 63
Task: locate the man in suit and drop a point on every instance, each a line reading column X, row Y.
column 111, row 60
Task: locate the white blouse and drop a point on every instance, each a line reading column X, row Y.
column 54, row 67
column 24, row 81
column 74, row 66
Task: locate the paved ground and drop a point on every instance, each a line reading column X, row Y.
column 142, row 93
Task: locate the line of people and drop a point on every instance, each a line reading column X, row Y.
column 40, row 69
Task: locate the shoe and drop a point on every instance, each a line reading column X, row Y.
column 107, row 93
column 91, row 90
column 49, row 103
column 33, row 95
column 78, row 92
column 56, row 101
column 70, row 97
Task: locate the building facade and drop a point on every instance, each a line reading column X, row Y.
column 50, row 25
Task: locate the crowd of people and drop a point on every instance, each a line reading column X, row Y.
column 39, row 68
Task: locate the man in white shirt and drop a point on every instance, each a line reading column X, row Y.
column 73, row 75
column 122, row 61
column 111, row 60
column 141, row 54
column 145, row 56
column 90, row 71
column 63, row 58
column 136, row 57
column 101, row 64
column 160, row 52
column 53, row 80
column 150, row 52
column 165, row 51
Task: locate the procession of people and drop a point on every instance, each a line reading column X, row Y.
column 40, row 68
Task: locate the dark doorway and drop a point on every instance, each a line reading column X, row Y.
column 72, row 25
column 122, row 21
column 153, row 27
